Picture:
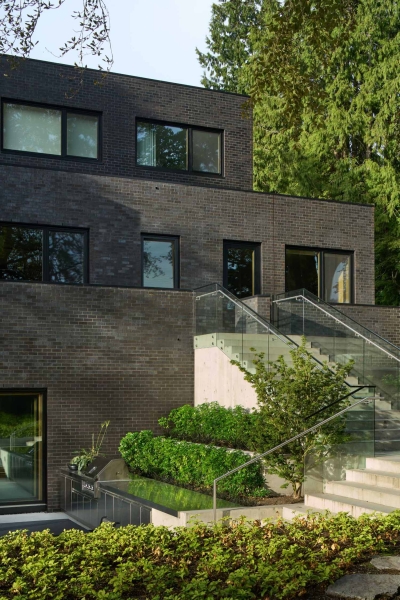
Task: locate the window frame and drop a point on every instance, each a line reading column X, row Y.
column 64, row 125
column 321, row 274
column 190, row 129
column 256, row 246
column 45, row 251
column 159, row 237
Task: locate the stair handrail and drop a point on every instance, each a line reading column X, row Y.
column 357, row 333
column 367, row 400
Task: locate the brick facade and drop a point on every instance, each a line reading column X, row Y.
column 101, row 353
column 121, row 99
column 384, row 320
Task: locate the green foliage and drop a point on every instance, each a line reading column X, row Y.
column 287, row 396
column 86, row 455
column 323, row 79
column 195, row 465
column 211, row 423
column 240, row 561
column 21, row 426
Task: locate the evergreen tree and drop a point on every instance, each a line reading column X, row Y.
column 324, row 83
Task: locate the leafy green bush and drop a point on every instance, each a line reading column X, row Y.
column 21, row 426
column 211, row 423
column 195, row 465
column 238, row 561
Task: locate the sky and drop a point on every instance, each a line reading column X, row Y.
column 150, row 38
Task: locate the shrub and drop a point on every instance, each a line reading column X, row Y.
column 239, row 561
column 195, row 465
column 211, row 424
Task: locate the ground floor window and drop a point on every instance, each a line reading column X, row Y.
column 242, row 268
column 21, row 447
column 160, row 261
column 33, row 253
column 325, row 273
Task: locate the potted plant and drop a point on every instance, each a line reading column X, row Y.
column 85, row 456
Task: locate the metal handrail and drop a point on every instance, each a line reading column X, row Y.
column 357, row 333
column 296, row 437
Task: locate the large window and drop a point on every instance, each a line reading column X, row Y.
column 160, row 261
column 242, row 268
column 49, row 254
column 168, row 146
column 49, row 130
column 325, row 273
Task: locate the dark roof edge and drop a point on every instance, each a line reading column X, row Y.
column 163, row 181
column 196, row 87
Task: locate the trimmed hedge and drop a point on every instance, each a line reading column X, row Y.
column 211, row 423
column 194, row 465
column 240, row 561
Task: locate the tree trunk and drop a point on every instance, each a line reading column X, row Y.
column 296, row 490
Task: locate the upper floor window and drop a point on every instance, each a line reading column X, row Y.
column 51, row 131
column 51, row 254
column 325, row 273
column 181, row 148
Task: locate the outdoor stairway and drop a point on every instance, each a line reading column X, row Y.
column 373, row 489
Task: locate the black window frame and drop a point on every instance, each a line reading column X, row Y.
column 190, row 129
column 65, row 110
column 321, row 274
column 157, row 237
column 256, row 246
column 45, row 251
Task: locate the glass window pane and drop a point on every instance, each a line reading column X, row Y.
column 21, row 252
column 241, row 271
column 21, row 447
column 206, row 151
column 337, row 285
column 31, row 129
column 66, row 257
column 302, row 270
column 162, row 146
column 159, row 263
column 82, row 135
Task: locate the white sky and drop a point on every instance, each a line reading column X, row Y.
column 150, row 38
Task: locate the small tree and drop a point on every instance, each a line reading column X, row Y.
column 288, row 396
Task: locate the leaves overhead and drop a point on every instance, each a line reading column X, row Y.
column 19, row 20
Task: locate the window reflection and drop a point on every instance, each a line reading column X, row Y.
column 162, row 146
column 66, row 260
column 21, row 251
column 302, row 270
column 31, row 129
column 82, row 135
column 241, row 268
column 206, row 151
column 160, row 263
column 337, row 278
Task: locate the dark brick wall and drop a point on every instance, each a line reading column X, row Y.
column 384, row 320
column 102, row 353
column 121, row 99
column 261, row 305
column 118, row 210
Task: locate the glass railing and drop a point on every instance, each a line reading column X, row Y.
column 326, row 464
column 340, row 338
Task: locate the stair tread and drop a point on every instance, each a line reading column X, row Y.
column 353, row 502
column 366, row 486
column 374, row 472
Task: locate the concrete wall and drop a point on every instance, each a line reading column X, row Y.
column 121, row 99
column 102, row 353
column 117, row 210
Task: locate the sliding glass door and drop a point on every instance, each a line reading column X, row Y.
column 21, row 448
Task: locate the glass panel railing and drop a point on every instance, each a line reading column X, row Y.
column 376, row 361
column 329, row 464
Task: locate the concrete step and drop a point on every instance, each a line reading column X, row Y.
column 387, row 464
column 366, row 493
column 387, row 446
column 336, row 504
column 374, row 478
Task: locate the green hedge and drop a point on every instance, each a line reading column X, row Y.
column 212, row 424
column 195, row 465
column 279, row 561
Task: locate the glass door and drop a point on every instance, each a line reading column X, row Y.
column 21, row 447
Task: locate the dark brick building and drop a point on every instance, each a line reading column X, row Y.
column 114, row 205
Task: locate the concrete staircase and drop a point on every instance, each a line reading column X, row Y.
column 373, row 489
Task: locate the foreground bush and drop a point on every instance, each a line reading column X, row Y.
column 190, row 464
column 211, row 423
column 239, row 561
